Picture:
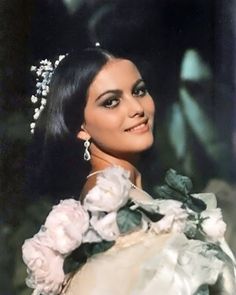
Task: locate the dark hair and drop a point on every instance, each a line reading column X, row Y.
column 68, row 90
column 60, row 170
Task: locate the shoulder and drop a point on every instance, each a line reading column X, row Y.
column 89, row 184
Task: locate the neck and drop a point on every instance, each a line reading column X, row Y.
column 101, row 160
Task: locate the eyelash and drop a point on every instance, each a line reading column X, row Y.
column 138, row 89
column 108, row 102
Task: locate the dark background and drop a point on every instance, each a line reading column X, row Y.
column 157, row 34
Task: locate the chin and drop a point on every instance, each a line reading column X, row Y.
column 143, row 146
column 147, row 147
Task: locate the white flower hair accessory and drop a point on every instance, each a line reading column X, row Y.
column 44, row 74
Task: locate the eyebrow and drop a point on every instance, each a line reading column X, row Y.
column 137, row 83
column 117, row 91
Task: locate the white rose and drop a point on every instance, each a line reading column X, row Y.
column 174, row 219
column 111, row 191
column 45, row 267
column 91, row 236
column 106, row 226
column 213, row 225
column 162, row 226
column 65, row 225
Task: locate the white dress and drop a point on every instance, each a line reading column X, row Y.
column 149, row 262
column 171, row 245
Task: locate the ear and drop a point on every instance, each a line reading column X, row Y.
column 83, row 134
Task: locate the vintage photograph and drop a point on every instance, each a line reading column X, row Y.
column 117, row 147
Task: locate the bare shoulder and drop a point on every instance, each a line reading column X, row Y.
column 89, row 184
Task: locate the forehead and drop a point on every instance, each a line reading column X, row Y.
column 116, row 73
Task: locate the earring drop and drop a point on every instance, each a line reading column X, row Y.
column 87, row 155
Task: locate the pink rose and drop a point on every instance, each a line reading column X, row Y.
column 65, row 226
column 45, row 267
column 111, row 191
column 213, row 225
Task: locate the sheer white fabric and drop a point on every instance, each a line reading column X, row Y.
column 146, row 263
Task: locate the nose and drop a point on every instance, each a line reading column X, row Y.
column 135, row 107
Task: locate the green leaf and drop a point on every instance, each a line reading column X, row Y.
column 96, row 248
column 75, row 259
column 153, row 216
column 70, row 265
column 178, row 188
column 195, row 204
column 191, row 229
column 180, row 183
column 128, row 220
column 203, row 290
column 219, row 253
column 166, row 192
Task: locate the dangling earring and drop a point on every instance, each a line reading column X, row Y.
column 87, row 155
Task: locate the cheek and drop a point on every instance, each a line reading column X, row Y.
column 150, row 107
column 102, row 123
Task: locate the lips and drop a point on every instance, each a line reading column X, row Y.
column 141, row 126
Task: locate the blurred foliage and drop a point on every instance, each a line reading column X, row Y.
column 13, row 271
column 189, row 118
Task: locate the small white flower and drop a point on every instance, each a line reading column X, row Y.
column 43, row 101
column 39, row 72
column 44, row 93
column 34, row 99
column 33, row 68
column 44, row 73
column 48, row 67
column 36, row 115
column 61, row 57
column 44, row 61
column 213, row 225
column 32, row 125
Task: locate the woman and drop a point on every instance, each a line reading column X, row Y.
column 117, row 239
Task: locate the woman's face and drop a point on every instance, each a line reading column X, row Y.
column 119, row 113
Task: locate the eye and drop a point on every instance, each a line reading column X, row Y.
column 140, row 90
column 111, row 103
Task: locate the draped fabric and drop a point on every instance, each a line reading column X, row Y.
column 145, row 262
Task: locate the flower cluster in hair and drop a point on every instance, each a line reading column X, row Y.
column 44, row 74
column 107, row 212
